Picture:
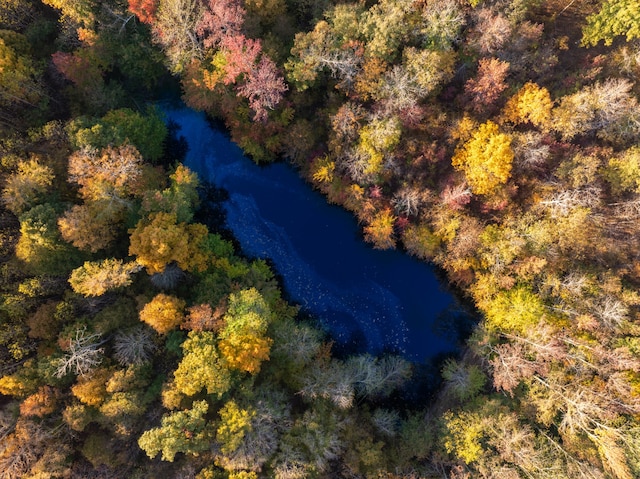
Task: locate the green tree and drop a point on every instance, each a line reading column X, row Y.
column 40, row 245
column 19, row 84
column 144, row 131
column 187, row 431
column 615, row 18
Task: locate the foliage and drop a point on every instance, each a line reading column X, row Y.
column 163, row 313
column 96, row 278
column 161, row 240
column 201, row 366
column 615, row 18
column 485, row 159
column 181, row 431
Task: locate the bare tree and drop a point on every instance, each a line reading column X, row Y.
column 83, row 355
column 134, row 346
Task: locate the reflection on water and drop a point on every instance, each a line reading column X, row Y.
column 369, row 300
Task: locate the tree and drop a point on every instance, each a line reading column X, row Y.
column 40, row 245
column 615, row 18
column 485, row 159
column 201, row 366
column 26, row 186
column 263, row 87
column 110, row 175
column 464, row 381
column 134, row 346
column 161, row 240
column 515, row 310
column 235, row 423
column 92, row 389
column 82, row 356
column 380, row 230
column 385, row 27
column 243, row 343
column 145, row 10
column 95, row 278
column 19, row 86
column 181, row 431
column 163, row 313
column 532, row 104
column 485, row 89
column 145, row 132
column 331, row 45
column 623, row 171
column 607, row 108
column 180, row 198
column 91, row 226
column 220, row 20
column 377, row 140
column 175, row 30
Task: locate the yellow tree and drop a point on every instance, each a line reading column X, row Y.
column 485, row 159
column 380, row 230
column 95, row 278
column 243, row 343
column 532, row 104
column 161, row 240
column 201, row 366
column 26, row 185
column 163, row 313
column 91, row 226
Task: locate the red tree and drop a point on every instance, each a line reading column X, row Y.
column 264, row 88
column 221, row 19
column 145, row 10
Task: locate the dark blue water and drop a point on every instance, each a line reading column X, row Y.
column 369, row 300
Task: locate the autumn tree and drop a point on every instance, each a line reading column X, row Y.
column 90, row 227
column 110, row 174
column 95, row 278
column 145, row 10
column 615, row 18
column 161, row 240
column 623, row 171
column 377, row 141
column 175, row 30
column 243, row 341
column 163, row 313
column 532, row 104
column 331, row 45
column 607, row 109
column 27, row 185
column 185, row 431
column 485, row 159
column 202, row 366
column 380, row 231
column 486, row 88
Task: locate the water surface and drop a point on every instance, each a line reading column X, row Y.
column 369, row 300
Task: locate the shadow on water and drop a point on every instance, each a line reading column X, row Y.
column 368, row 300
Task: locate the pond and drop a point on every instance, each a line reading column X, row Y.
column 368, row 300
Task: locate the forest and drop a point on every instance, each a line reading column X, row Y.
column 496, row 139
